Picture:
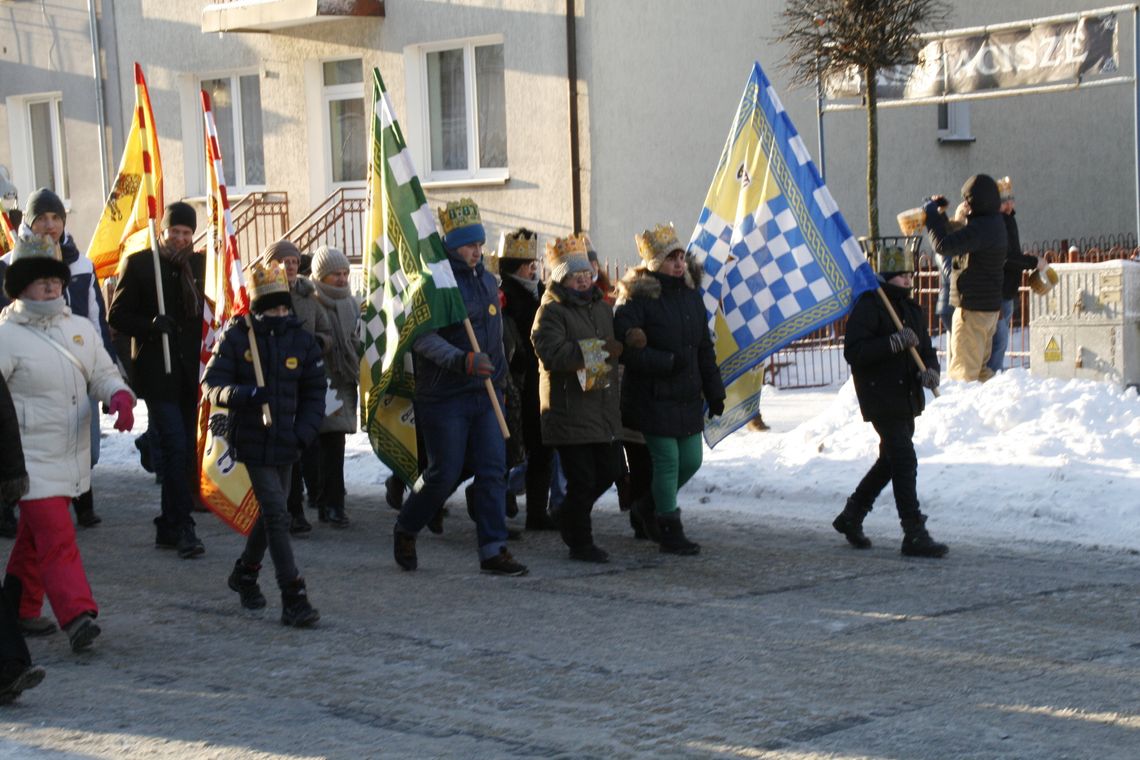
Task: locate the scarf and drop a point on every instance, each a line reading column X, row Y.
column 180, row 260
column 343, row 363
column 530, row 285
column 43, row 310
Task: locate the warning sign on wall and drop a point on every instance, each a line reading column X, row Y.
column 1052, row 350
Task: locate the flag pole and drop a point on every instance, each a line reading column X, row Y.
column 151, row 207
column 487, row 382
column 899, row 326
column 259, row 376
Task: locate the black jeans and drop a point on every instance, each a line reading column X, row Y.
column 590, row 469
column 306, row 476
column 172, row 429
column 271, row 487
column 897, row 464
column 539, row 458
column 14, row 656
column 331, row 490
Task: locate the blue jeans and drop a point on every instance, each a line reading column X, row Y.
column 1001, row 337
column 271, row 487
column 557, row 483
column 172, row 428
column 457, row 431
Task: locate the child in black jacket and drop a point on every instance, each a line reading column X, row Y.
column 294, row 390
column 890, row 386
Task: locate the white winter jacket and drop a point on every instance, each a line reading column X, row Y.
column 51, row 395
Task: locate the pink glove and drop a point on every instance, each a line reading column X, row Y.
column 122, row 406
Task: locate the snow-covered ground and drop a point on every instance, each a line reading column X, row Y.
column 1019, row 457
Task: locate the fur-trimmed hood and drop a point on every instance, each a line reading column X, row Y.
column 639, row 281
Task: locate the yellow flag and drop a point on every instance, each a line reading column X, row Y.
column 137, row 195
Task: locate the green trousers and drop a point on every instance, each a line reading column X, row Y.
column 675, row 460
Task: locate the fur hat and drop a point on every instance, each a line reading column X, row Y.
column 33, row 257
column 41, row 202
column 655, row 245
column 565, row 256
column 280, row 250
column 461, row 224
column 269, row 287
column 328, row 260
column 180, row 214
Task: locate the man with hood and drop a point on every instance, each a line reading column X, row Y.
column 978, row 251
column 45, row 215
column 452, row 408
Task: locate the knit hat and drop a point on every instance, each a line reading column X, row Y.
column 33, row 257
column 565, row 256
column 269, row 287
column 180, row 214
column 328, row 260
column 461, row 224
column 41, row 202
column 893, row 260
column 655, row 245
column 279, row 251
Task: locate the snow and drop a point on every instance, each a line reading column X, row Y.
column 1017, row 458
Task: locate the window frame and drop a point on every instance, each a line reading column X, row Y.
column 957, row 122
column 22, row 139
column 336, row 92
column 240, row 186
column 419, row 109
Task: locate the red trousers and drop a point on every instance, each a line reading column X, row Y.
column 46, row 559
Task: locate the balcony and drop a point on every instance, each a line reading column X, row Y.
column 273, row 15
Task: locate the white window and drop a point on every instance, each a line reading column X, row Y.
column 236, row 102
column 39, row 146
column 345, row 128
column 457, row 99
column 954, row 122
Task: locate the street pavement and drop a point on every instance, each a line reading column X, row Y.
column 778, row 641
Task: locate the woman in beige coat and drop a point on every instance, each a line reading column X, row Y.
column 52, row 362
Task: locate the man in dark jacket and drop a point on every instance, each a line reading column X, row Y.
column 889, row 386
column 44, row 214
column 171, row 398
column 294, row 391
column 1016, row 262
column 453, row 410
column 979, row 251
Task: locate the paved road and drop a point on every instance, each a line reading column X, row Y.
column 776, row 642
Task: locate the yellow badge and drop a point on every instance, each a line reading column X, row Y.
column 291, row 362
column 492, row 310
column 248, row 355
column 77, row 340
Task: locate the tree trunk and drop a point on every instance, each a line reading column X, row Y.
column 870, row 75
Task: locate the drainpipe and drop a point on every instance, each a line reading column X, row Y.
column 100, row 115
column 572, row 81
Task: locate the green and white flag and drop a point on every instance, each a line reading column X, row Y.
column 411, row 289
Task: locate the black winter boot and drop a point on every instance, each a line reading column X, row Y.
column 295, row 608
column 646, row 512
column 336, row 515
column 243, row 580
column 850, row 524
column 85, row 510
column 673, row 540
column 404, row 549
column 394, row 492
column 917, row 542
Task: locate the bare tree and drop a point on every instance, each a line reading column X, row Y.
column 829, row 37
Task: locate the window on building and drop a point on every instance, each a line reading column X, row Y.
column 342, row 95
column 464, row 110
column 236, row 101
column 954, row 122
column 47, row 147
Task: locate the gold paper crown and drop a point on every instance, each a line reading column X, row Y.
column 267, row 278
column 35, row 247
column 457, row 214
column 559, row 248
column 658, row 242
column 517, row 245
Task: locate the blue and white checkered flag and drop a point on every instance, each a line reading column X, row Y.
column 778, row 256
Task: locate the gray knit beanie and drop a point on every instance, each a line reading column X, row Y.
column 328, row 260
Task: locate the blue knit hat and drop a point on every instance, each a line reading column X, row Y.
column 461, row 224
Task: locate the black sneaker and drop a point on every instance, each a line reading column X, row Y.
column 503, row 564
column 589, row 553
column 82, row 632
column 37, row 626
column 188, row 544
column 165, row 537
column 404, row 549
column 394, row 492
column 920, row 544
column 243, row 580
column 28, row 677
column 299, row 526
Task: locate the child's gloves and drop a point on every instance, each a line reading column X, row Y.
column 903, row 339
column 929, row 378
column 122, row 406
column 478, row 364
column 251, row 395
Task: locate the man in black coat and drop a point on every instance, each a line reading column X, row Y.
column 978, row 250
column 889, row 386
column 1016, row 262
column 171, row 398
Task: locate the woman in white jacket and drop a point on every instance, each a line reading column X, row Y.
column 52, row 362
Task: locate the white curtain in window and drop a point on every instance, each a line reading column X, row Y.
column 251, row 130
column 448, row 110
column 43, row 145
column 491, row 95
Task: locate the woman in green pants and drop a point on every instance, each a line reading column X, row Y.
column 670, row 371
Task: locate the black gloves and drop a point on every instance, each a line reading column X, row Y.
column 679, row 363
column 251, row 395
column 716, row 408
column 11, row 491
column 163, row 324
column 929, row 378
column 903, row 339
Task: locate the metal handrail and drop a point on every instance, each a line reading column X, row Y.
column 259, row 218
column 338, row 221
